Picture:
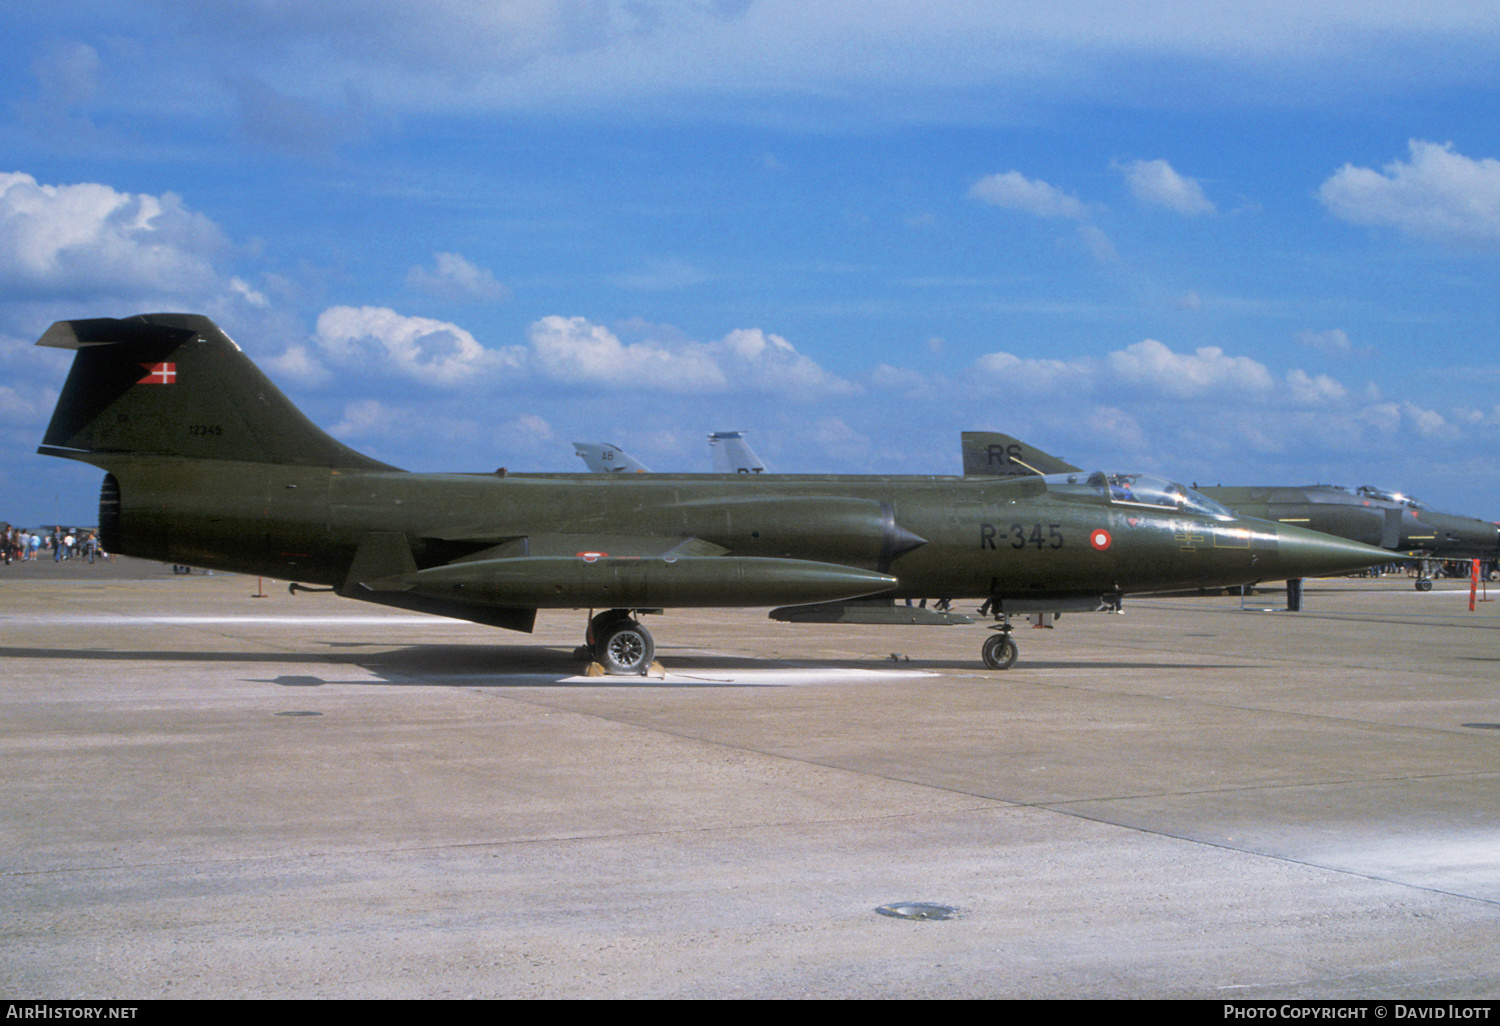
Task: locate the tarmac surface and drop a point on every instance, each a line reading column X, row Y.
column 209, row 794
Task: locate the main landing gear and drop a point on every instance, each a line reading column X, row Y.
column 1000, row 651
column 617, row 641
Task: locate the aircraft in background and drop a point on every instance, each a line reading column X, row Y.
column 608, row 458
column 208, row 464
column 1373, row 516
column 731, row 454
column 1369, row 515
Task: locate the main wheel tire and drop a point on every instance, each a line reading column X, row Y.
column 1424, row 584
column 1000, row 652
column 625, row 648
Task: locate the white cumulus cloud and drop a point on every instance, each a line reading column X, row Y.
column 1146, row 368
column 370, row 418
column 770, row 363
column 430, row 351
column 573, row 349
column 1428, row 423
column 1011, row 372
column 1314, row 390
column 1155, row 182
column 1015, row 191
column 1438, row 194
column 241, row 288
column 454, row 278
column 1098, row 244
column 568, row 351
column 298, row 364
column 532, row 425
column 90, row 240
column 1209, row 368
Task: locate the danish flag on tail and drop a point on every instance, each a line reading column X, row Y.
column 159, row 374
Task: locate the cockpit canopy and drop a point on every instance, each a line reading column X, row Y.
column 1384, row 496
column 1145, row 490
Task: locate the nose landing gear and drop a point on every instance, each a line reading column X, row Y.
column 1000, row 651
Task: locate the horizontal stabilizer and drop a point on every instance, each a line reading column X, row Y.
column 102, row 331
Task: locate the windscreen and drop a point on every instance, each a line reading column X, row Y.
column 1140, row 490
column 1385, row 496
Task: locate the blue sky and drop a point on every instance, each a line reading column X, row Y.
column 1237, row 246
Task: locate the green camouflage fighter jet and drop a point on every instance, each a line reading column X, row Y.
column 1369, row 515
column 209, row 464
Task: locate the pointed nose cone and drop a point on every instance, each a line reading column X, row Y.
column 1303, row 553
column 1461, row 537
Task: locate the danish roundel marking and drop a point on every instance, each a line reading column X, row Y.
column 1099, row 538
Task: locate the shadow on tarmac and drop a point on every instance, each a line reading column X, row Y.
column 439, row 665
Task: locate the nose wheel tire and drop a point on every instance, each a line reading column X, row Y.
column 625, row 648
column 999, row 652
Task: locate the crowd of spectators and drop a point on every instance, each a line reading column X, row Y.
column 58, row 543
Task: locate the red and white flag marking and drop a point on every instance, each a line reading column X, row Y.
column 159, row 374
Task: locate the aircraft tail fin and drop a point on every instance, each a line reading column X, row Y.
column 733, row 455
column 608, row 458
column 174, row 385
column 991, row 454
